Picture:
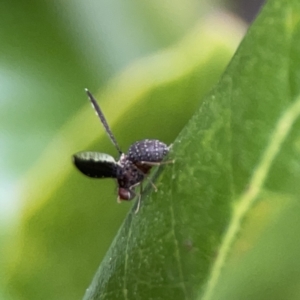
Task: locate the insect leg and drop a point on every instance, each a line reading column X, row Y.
column 151, row 163
column 139, row 200
column 151, row 182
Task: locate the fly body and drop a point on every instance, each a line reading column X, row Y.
column 131, row 168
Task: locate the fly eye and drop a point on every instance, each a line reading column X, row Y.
column 126, row 194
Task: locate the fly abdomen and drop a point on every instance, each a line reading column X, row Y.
column 147, row 151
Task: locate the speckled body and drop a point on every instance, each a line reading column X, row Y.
column 129, row 171
column 134, row 165
column 147, row 150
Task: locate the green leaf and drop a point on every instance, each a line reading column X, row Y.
column 69, row 220
column 266, row 266
column 237, row 166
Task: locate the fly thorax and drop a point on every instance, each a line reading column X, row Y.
column 128, row 175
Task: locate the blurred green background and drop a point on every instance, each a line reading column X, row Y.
column 148, row 63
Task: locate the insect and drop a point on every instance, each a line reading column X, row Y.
column 131, row 168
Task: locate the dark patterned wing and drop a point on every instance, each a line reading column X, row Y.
column 96, row 165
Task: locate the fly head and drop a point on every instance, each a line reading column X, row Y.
column 128, row 177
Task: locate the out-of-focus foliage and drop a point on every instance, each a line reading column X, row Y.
column 49, row 53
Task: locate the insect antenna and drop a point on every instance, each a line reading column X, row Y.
column 103, row 120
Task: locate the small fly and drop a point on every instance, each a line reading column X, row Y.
column 131, row 168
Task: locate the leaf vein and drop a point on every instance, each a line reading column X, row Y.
column 257, row 181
